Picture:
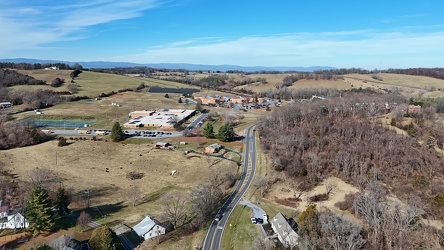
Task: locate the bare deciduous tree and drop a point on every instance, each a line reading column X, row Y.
column 262, row 185
column 83, row 220
column 133, row 194
column 206, row 199
column 175, row 209
column 330, row 187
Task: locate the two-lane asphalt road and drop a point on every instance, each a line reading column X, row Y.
column 214, row 235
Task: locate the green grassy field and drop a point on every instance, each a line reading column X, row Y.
column 239, row 232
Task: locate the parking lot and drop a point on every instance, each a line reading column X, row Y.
column 128, row 133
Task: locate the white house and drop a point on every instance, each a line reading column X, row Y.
column 14, row 221
column 285, row 233
column 4, row 211
column 149, row 228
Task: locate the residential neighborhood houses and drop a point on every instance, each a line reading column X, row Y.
column 228, row 102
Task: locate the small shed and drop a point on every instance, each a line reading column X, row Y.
column 213, row 148
column 162, row 145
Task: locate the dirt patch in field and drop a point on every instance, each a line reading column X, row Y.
column 281, row 194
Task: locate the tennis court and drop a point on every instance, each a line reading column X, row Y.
column 62, row 123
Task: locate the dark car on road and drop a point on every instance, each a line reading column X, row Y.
column 218, row 217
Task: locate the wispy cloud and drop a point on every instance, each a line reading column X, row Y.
column 31, row 24
column 333, row 48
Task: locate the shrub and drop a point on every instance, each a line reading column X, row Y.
column 62, row 142
column 347, row 204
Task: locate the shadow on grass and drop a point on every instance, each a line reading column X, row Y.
column 133, row 237
column 154, row 196
column 99, row 212
column 239, row 138
column 90, row 194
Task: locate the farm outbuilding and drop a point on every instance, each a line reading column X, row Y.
column 213, row 148
column 149, row 228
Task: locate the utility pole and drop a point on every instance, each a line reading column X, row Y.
column 88, row 193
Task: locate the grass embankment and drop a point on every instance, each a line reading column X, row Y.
column 242, row 232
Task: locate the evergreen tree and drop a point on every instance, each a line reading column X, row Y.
column 180, row 99
column 117, row 132
column 308, row 221
column 39, row 212
column 226, row 133
column 208, row 131
column 411, row 130
column 62, row 202
column 167, row 96
column 101, row 238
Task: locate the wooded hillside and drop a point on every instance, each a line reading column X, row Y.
column 342, row 137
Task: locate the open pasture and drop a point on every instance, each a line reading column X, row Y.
column 102, row 167
column 92, row 84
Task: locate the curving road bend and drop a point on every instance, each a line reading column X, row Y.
column 214, row 235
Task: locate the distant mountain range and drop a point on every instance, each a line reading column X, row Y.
column 186, row 66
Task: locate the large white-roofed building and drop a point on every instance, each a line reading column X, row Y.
column 161, row 118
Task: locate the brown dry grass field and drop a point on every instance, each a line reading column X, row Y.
column 93, row 83
column 82, row 165
column 406, row 84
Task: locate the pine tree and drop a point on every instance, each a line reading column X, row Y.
column 62, row 202
column 208, row 131
column 226, row 133
column 116, row 132
column 308, row 221
column 39, row 212
column 180, row 99
column 101, row 238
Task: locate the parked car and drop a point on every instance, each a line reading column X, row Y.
column 253, row 220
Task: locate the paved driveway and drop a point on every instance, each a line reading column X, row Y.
column 257, row 211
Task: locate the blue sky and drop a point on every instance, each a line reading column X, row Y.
column 364, row 34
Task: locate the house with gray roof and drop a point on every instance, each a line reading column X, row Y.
column 149, row 228
column 284, row 231
column 213, row 148
column 65, row 242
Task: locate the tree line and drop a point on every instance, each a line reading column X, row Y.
column 31, row 66
column 10, row 78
